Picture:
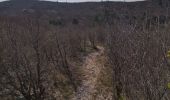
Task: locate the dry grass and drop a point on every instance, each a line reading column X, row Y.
column 104, row 86
column 62, row 84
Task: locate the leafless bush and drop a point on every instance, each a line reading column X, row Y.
column 139, row 62
column 32, row 57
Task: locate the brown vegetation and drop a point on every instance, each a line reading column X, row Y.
column 117, row 51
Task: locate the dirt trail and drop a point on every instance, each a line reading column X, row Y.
column 91, row 72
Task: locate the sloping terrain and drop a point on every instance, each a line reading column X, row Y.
column 91, row 72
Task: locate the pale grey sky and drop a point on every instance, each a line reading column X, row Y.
column 86, row 0
column 91, row 0
column 2, row 0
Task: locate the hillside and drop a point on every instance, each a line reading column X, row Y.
column 85, row 12
column 17, row 7
column 84, row 51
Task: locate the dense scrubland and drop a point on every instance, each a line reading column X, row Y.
column 84, row 51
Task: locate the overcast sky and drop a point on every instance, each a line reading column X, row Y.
column 86, row 0
column 96, row 0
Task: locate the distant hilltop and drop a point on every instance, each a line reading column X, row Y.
column 18, row 7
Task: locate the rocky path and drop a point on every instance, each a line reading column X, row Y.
column 91, row 71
